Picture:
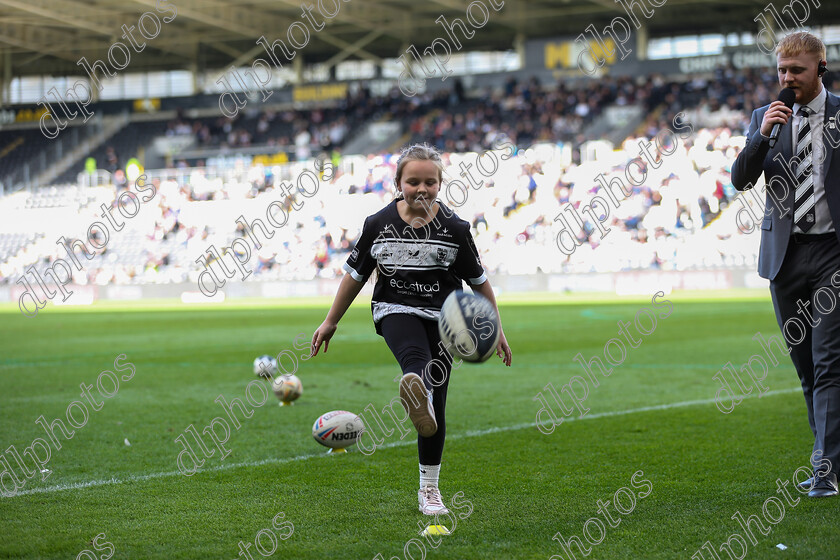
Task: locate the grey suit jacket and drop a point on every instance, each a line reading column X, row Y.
column 757, row 157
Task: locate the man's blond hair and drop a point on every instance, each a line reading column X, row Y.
column 800, row 42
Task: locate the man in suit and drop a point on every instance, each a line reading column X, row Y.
column 800, row 245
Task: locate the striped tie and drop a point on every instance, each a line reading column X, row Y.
column 803, row 206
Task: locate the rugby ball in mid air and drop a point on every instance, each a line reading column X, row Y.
column 265, row 366
column 287, row 387
column 337, row 429
column 469, row 326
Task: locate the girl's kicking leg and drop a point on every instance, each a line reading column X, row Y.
column 423, row 390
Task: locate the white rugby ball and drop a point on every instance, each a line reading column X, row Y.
column 469, row 326
column 265, row 366
column 337, row 428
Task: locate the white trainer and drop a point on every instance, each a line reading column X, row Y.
column 417, row 402
column 430, row 501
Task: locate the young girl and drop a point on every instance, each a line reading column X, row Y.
column 422, row 251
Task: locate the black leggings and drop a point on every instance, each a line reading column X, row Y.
column 415, row 344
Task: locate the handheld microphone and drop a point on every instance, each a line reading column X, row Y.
column 786, row 96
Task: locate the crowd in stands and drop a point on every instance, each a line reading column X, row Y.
column 526, row 113
column 304, row 132
column 665, row 223
column 323, row 129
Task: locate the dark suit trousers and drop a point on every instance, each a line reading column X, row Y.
column 806, row 268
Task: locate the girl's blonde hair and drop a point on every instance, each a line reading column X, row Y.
column 417, row 152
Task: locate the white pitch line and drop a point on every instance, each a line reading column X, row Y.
column 280, row 461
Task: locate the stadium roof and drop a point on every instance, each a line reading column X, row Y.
column 50, row 36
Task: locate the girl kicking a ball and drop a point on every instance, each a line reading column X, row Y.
column 422, row 252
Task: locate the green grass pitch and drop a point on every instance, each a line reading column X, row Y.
column 655, row 413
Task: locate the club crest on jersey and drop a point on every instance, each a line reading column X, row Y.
column 441, row 255
column 354, row 255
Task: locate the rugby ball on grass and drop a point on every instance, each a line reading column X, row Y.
column 338, row 428
column 287, row 387
column 265, row 366
column 469, row 326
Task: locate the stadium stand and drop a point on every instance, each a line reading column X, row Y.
column 669, row 222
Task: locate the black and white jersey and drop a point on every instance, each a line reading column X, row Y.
column 417, row 267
